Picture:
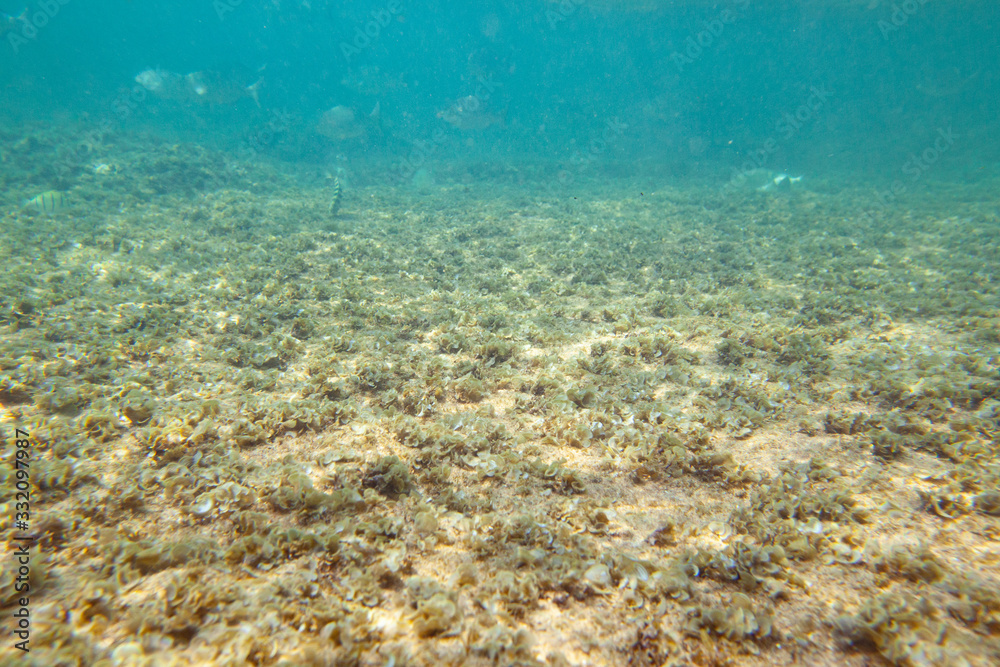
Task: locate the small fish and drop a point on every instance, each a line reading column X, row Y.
column 468, row 115
column 223, row 86
column 337, row 196
column 947, row 83
column 780, row 182
column 49, row 202
column 165, row 85
column 340, row 124
column 220, row 87
column 10, row 23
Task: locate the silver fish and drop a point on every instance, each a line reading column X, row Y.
column 223, row 86
column 469, row 115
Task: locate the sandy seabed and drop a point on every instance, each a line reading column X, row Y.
column 500, row 424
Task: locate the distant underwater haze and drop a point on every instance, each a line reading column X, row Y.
column 536, row 332
column 546, row 77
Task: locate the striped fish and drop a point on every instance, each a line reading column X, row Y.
column 49, row 202
column 337, row 196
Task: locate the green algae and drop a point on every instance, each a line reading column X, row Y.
column 643, row 423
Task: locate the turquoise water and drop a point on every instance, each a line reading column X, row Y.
column 852, row 89
column 538, row 333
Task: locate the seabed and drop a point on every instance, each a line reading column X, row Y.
column 512, row 423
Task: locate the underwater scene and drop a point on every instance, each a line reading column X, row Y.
column 541, row 333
